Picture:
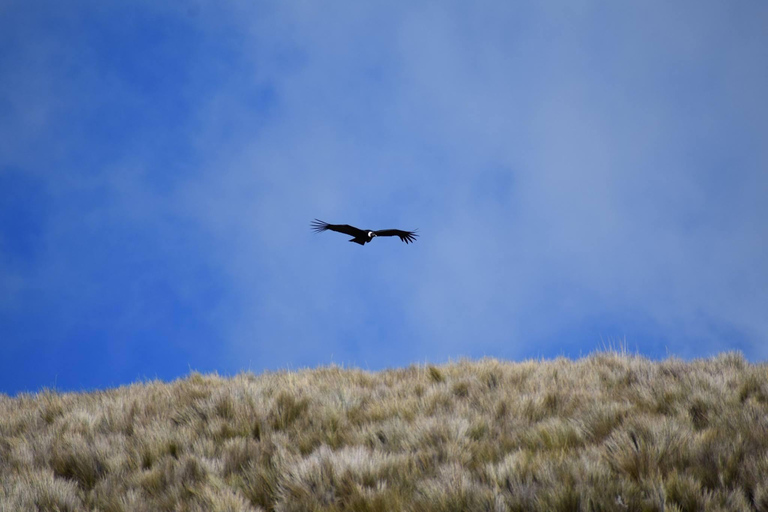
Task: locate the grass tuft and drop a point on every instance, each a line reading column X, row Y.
column 435, row 374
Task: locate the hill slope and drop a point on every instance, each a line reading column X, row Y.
column 608, row 432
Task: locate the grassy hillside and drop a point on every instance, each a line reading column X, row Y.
column 608, row 432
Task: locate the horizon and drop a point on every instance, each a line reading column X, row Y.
column 579, row 175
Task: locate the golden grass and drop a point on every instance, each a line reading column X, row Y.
column 608, row 432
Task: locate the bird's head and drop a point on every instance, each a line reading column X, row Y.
column 371, row 234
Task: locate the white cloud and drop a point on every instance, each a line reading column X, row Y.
column 614, row 202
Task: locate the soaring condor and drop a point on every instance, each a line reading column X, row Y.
column 362, row 236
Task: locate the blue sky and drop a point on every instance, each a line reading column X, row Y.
column 581, row 174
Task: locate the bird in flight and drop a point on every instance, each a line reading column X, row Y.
column 362, row 236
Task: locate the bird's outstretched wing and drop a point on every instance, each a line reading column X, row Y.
column 319, row 226
column 405, row 236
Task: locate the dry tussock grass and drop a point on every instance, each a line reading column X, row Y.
column 610, row 432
